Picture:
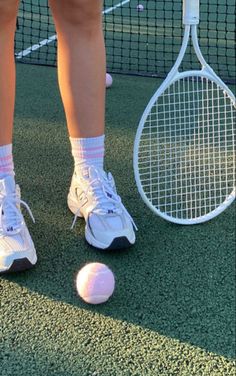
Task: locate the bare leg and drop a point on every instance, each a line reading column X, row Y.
column 17, row 251
column 81, row 64
column 8, row 12
column 81, row 72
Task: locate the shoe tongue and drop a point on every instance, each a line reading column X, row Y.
column 92, row 173
column 8, row 185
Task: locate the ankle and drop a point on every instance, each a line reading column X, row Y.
column 88, row 152
column 6, row 161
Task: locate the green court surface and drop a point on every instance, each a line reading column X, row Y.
column 173, row 310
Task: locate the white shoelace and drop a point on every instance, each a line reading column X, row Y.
column 107, row 201
column 11, row 223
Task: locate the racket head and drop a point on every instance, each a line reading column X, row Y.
column 184, row 150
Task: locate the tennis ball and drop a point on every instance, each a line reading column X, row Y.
column 95, row 283
column 109, row 80
column 140, row 7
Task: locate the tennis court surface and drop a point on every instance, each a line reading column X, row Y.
column 173, row 309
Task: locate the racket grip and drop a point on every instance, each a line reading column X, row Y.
column 190, row 12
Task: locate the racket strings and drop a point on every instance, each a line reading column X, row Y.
column 186, row 151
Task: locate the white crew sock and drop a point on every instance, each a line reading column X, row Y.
column 6, row 161
column 88, row 152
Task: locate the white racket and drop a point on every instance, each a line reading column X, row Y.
column 184, row 151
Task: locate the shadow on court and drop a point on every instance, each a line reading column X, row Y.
column 177, row 281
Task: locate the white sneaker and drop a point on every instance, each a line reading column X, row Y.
column 17, row 250
column 93, row 196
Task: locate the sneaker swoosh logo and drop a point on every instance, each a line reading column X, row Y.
column 81, row 198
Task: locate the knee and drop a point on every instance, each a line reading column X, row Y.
column 8, row 12
column 84, row 14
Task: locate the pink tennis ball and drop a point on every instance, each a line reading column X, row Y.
column 140, row 7
column 95, row 283
column 109, row 80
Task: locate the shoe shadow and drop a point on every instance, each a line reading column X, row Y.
column 175, row 280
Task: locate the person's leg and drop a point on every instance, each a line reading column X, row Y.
column 8, row 12
column 16, row 247
column 81, row 64
column 81, row 72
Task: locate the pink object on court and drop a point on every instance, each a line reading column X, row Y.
column 109, row 80
column 95, row 283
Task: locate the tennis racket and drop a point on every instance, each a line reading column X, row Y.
column 184, row 151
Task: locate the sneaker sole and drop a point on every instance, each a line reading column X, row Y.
column 27, row 261
column 117, row 243
column 121, row 242
column 19, row 265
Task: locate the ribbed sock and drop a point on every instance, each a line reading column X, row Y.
column 6, row 161
column 88, row 152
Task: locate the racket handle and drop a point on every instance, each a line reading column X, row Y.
column 190, row 12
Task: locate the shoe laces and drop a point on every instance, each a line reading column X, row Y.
column 107, row 201
column 11, row 219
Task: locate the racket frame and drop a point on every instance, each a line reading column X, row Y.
column 190, row 20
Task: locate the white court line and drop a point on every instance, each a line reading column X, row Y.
column 51, row 39
column 109, row 10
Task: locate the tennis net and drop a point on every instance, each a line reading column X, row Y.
column 141, row 42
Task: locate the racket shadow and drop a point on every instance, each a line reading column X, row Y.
column 175, row 281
